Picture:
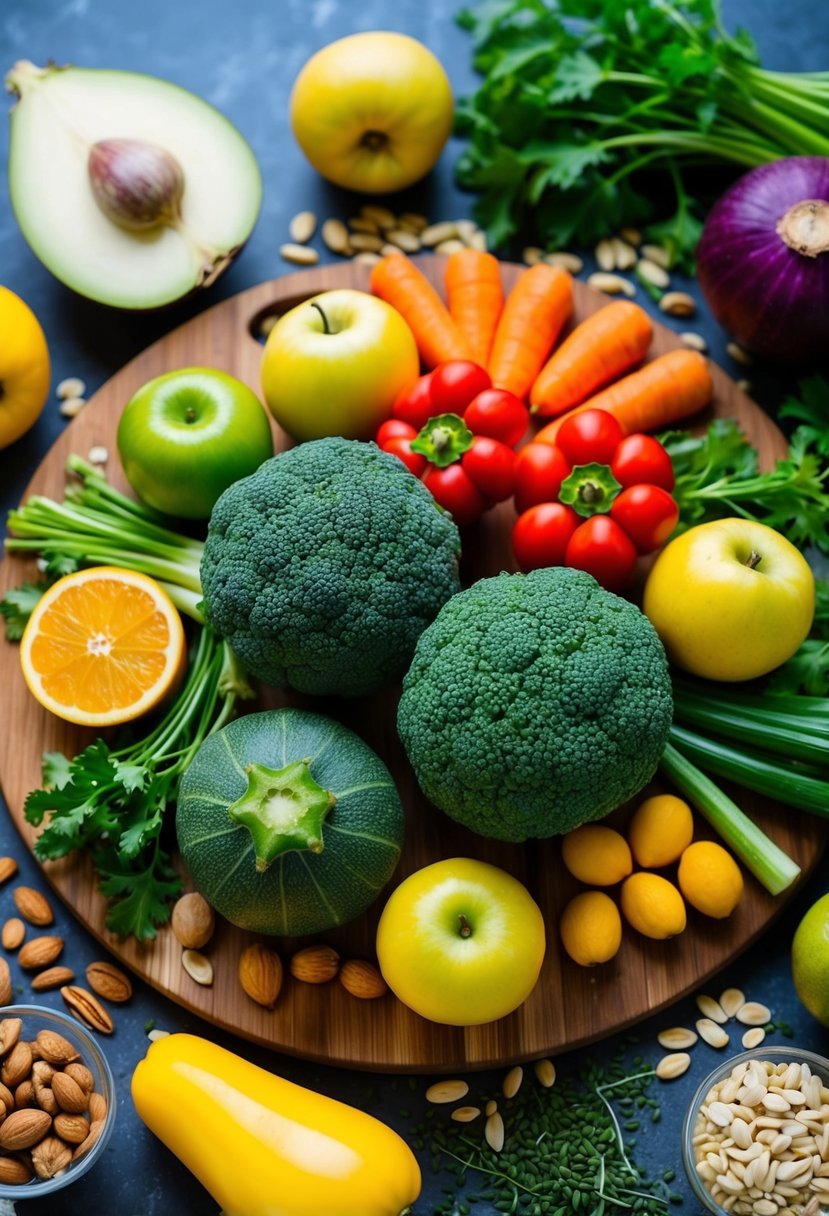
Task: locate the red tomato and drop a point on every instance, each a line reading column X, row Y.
column 499, row 414
column 642, row 458
column 604, row 550
column 491, row 465
column 455, row 384
column 401, row 447
column 393, row 428
column 414, row 404
column 592, row 435
column 540, row 535
column 540, row 468
column 456, row 492
column 647, row 513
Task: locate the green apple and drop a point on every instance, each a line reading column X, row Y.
column 731, row 599
column 810, row 960
column 334, row 365
column 461, row 942
column 184, row 437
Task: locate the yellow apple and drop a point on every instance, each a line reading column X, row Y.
column 334, row 365
column 24, row 368
column 461, row 942
column 372, row 111
column 731, row 599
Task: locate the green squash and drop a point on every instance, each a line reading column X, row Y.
column 288, row 822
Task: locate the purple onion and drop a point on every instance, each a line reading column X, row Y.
column 763, row 260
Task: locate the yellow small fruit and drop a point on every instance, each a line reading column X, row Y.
column 596, row 855
column 24, row 368
column 591, row 928
column 652, row 905
column 662, row 827
column 710, row 879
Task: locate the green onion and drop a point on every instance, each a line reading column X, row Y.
column 785, row 735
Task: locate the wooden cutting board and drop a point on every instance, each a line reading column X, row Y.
column 571, row 1005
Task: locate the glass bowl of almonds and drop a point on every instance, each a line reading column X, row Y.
column 756, row 1135
column 58, row 1101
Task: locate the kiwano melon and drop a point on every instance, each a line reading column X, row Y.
column 288, row 822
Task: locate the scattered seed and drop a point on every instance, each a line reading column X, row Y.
column 72, row 386
column 380, row 215
column 433, row 234
column 413, row 220
column 447, row 1091
column 407, row 241
column 389, row 249
column 359, row 223
column 156, row 1034
column 465, row 1114
column 512, row 1081
column 632, row 235
column 453, row 245
column 711, row 1009
column 494, row 1132
column 611, row 284
column 678, row 304
column 695, row 341
column 302, row 227
column 335, row 236
column 753, row 1037
column 657, row 254
column 653, row 273
column 490, row 1107
column 545, row 1072
column 745, row 386
column 738, row 354
column 478, row 240
column 672, row 1066
column 300, row 255
column 367, row 259
column 677, row 1038
column 605, row 256
column 98, row 455
column 753, row 1013
column 567, row 261
column 531, row 255
column 712, row 1033
column 366, row 242
column 71, row 407
column 197, row 967
column 625, row 254
column 731, row 1000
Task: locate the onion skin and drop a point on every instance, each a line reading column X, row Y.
column 771, row 298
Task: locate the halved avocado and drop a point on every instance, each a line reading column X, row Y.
column 61, row 115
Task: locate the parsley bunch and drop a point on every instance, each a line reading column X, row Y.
column 582, row 99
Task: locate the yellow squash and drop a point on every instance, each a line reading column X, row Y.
column 24, row 368
column 263, row 1146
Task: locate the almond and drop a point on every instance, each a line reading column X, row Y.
column 95, row 1129
column 97, row 1107
column 109, row 982
column 17, row 1065
column 193, row 921
column 80, row 1073
column 55, row 1048
column 14, row 1172
column 8, row 868
column 197, row 967
column 68, row 1094
column 362, row 980
column 9, row 1033
column 260, row 974
column 7, row 1098
column 13, row 933
column 88, row 1008
column 24, row 1094
column 39, row 952
column 23, row 1128
column 52, row 977
column 33, row 906
column 42, row 1074
column 5, row 983
column 50, row 1157
column 315, row 964
column 72, row 1128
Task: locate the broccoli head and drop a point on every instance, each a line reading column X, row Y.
column 535, row 703
column 324, row 566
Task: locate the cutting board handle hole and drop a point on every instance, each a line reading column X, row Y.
column 263, row 321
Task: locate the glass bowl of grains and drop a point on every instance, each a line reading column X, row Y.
column 62, row 1098
column 756, row 1135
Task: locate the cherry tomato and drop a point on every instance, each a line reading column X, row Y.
column 642, row 458
column 647, row 513
column 400, row 447
column 455, row 384
column 540, row 468
column 393, row 428
column 592, row 435
column 499, row 414
column 491, row 465
column 540, row 535
column 414, row 404
column 602, row 548
column 456, row 492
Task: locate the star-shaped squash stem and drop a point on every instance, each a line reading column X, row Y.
column 283, row 809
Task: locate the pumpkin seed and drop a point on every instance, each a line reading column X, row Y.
column 494, row 1132
column 567, row 261
column 611, row 284
column 335, row 236
column 695, row 341
column 197, row 967
column 677, row 1038
column 465, row 1114
column 605, row 256
column 738, row 354
column 72, row 386
column 653, row 273
column 302, row 227
column 712, row 1033
column 545, row 1071
column 512, row 1081
column 753, row 1013
column 731, row 999
column 300, row 255
column 447, row 1091
column 711, row 1009
column 672, row 1066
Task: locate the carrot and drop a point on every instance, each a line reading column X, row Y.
column 534, row 315
column 659, row 394
column 608, row 343
column 398, row 281
column 475, row 298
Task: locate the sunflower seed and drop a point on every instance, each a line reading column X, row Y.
column 302, row 227
column 657, row 254
column 611, row 284
column 197, row 967
column 677, row 1038
column 494, row 1132
column 567, row 261
column 433, row 234
column 672, row 1066
column 754, row 1014
column 365, row 242
column 711, row 1009
column 380, row 215
column 545, row 1071
column 413, row 220
column 731, row 999
column 512, row 1081
column 712, row 1033
column 407, row 241
column 447, row 1091
column 653, row 273
column 335, row 236
column 625, row 254
column 359, row 223
column 678, row 304
column 738, row 354
column 605, row 256
column 695, row 341
column 300, row 255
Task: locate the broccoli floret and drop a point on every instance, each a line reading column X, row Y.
column 535, row 703
column 324, row 566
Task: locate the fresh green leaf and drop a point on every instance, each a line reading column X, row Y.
column 56, row 769
column 810, row 408
column 141, row 898
column 17, row 606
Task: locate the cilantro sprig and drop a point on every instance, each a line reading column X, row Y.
column 582, row 99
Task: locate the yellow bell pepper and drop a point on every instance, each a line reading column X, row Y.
column 263, row 1146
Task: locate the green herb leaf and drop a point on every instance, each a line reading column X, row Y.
column 141, row 897
column 17, row 606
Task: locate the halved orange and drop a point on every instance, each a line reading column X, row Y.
column 102, row 646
